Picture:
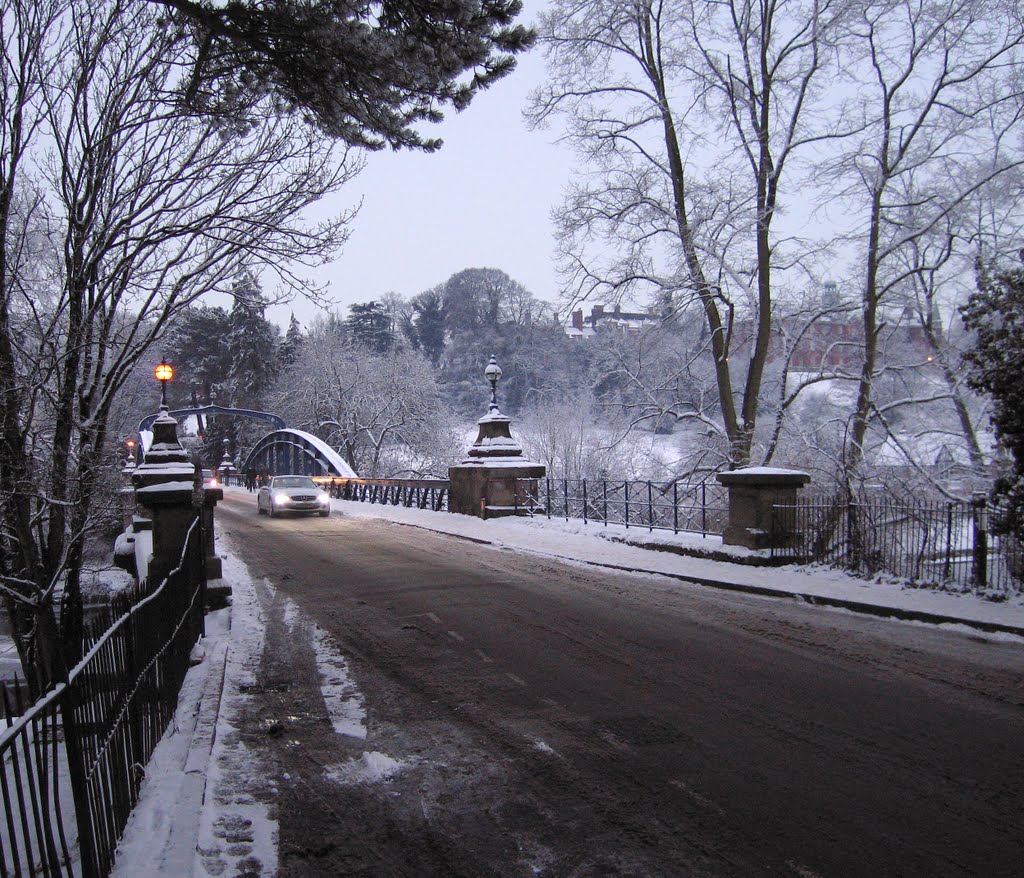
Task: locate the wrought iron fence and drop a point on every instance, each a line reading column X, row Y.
column 945, row 544
column 73, row 761
column 411, row 493
column 697, row 507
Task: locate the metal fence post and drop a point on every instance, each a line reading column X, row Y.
column 949, row 541
column 675, row 507
column 604, row 491
column 979, row 503
column 79, row 786
column 626, row 496
column 584, row 501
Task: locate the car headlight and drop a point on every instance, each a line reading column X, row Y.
column 324, row 499
column 280, row 497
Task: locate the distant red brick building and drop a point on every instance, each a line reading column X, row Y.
column 835, row 341
column 628, row 322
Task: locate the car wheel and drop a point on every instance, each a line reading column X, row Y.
column 273, row 511
column 324, row 513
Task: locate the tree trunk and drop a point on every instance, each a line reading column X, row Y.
column 862, row 411
column 739, row 439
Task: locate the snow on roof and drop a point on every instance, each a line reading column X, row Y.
column 573, row 332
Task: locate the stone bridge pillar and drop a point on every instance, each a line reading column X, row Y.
column 753, row 491
column 169, row 494
column 485, row 484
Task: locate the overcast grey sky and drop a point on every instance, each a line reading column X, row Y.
column 483, row 200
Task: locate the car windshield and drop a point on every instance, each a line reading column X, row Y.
column 294, row 482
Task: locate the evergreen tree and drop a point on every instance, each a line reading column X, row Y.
column 429, row 323
column 288, row 350
column 252, row 344
column 995, row 313
column 369, row 324
column 197, row 348
column 365, row 73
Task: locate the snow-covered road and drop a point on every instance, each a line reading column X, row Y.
column 401, row 702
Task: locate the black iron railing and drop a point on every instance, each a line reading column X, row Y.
column 411, row 493
column 945, row 544
column 697, row 507
column 74, row 760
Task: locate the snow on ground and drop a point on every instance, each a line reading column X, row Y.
column 236, row 834
column 343, row 700
column 371, row 767
column 196, row 813
column 202, row 810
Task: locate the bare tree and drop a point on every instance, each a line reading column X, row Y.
column 940, row 96
column 383, row 411
column 141, row 206
column 692, row 114
column 740, row 153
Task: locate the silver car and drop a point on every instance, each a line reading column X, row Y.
column 292, row 494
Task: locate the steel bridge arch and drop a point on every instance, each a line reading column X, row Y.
column 275, row 421
column 295, row 452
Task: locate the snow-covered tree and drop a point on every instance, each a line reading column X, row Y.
column 382, row 410
column 738, row 155
column 936, row 128
column 252, row 344
column 119, row 207
column 691, row 113
column 995, row 314
column 575, row 438
column 288, row 350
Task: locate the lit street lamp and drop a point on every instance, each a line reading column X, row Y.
column 163, row 372
column 129, row 445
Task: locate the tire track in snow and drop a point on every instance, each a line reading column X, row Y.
column 345, row 704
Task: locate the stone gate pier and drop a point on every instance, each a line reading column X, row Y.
column 485, row 484
column 753, row 492
column 168, row 497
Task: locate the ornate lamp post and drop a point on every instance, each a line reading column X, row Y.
column 493, row 373
column 163, row 373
